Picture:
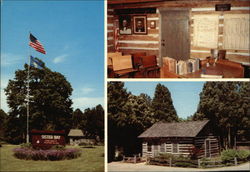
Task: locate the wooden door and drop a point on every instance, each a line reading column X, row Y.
column 207, row 149
column 175, row 42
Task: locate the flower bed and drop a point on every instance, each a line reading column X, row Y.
column 51, row 154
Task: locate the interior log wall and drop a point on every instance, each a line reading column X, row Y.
column 150, row 43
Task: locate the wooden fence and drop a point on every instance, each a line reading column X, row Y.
column 134, row 159
column 190, row 163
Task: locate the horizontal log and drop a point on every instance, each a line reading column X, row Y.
column 199, row 55
column 139, row 37
column 220, row 39
column 110, row 28
column 221, row 30
column 238, row 58
column 135, row 46
column 111, row 49
column 194, row 4
column 148, row 52
column 154, row 31
column 110, row 20
column 221, row 21
column 110, row 34
column 237, row 12
column 110, row 42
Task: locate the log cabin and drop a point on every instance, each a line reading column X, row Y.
column 180, row 138
column 214, row 32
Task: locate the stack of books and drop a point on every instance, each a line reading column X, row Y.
column 181, row 67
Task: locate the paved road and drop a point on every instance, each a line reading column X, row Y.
column 120, row 166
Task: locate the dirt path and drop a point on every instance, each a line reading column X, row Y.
column 120, row 166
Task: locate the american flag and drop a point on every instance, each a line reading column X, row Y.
column 36, row 44
column 116, row 39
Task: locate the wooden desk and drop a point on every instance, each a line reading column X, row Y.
column 223, row 67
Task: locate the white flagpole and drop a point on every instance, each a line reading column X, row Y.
column 28, row 96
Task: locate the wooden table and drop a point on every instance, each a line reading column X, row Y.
column 225, row 68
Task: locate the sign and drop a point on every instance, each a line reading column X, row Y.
column 222, row 7
column 47, row 139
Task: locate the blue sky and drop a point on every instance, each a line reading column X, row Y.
column 72, row 33
column 185, row 95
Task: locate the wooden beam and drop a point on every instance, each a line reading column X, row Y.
column 176, row 3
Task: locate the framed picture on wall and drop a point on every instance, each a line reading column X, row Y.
column 125, row 27
column 140, row 24
column 152, row 24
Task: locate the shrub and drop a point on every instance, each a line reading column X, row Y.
column 228, row 155
column 31, row 154
column 243, row 155
column 26, row 145
column 58, row 147
column 166, row 156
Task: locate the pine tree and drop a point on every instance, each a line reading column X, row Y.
column 223, row 103
column 162, row 105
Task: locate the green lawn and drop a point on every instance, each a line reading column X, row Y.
column 92, row 159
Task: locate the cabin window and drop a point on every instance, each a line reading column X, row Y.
column 149, row 147
column 175, row 148
column 162, row 147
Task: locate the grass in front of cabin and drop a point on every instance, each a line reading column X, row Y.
column 91, row 159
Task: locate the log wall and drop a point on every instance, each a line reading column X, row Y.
column 150, row 43
column 128, row 44
column 162, row 145
column 199, row 142
column 184, row 146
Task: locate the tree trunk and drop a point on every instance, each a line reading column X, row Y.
column 229, row 137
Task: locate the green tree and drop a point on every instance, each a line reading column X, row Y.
column 117, row 98
column 78, row 119
column 128, row 117
column 94, row 122
column 224, row 104
column 3, row 119
column 50, row 103
column 162, row 105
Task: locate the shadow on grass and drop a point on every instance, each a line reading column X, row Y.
column 89, row 147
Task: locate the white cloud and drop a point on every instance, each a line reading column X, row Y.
column 4, row 105
column 87, row 102
column 87, row 90
column 4, row 83
column 8, row 59
column 60, row 59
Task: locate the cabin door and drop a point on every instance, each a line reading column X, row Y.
column 207, row 149
column 175, row 41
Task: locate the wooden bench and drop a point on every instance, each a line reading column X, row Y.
column 122, row 66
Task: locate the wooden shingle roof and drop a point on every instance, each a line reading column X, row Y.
column 75, row 133
column 175, row 129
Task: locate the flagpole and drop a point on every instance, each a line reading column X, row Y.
column 28, row 97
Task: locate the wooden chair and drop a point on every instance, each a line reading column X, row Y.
column 150, row 67
column 122, row 66
column 137, row 63
column 137, row 60
column 110, row 63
